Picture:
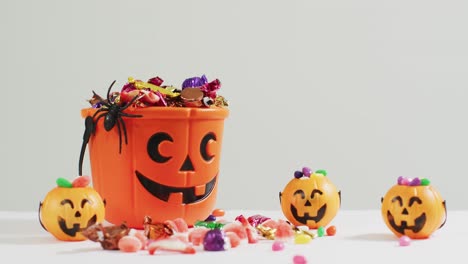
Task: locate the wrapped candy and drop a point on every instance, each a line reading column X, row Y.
column 107, row 236
column 215, row 240
column 155, row 231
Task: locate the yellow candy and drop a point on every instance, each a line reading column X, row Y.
column 142, row 85
column 302, row 239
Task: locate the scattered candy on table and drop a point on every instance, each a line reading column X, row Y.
column 170, row 244
column 129, row 244
column 257, row 219
column 215, row 240
column 218, row 212
column 321, row 231
column 404, row 241
column 299, row 259
column 175, row 236
column 302, row 239
column 155, row 231
column 331, row 230
column 234, row 239
column 277, row 245
column 197, row 234
column 107, row 236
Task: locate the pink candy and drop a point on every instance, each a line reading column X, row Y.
column 237, row 228
column 404, row 241
column 270, row 223
column 233, row 239
column 171, row 244
column 129, row 244
column 196, row 235
column 143, row 239
column 284, row 231
column 81, row 181
column 181, row 225
column 277, row 245
column 178, row 225
column 299, row 259
column 252, row 235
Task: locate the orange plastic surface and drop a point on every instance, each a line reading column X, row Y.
column 135, row 184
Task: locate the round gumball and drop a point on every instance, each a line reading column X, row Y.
column 413, row 208
column 67, row 210
column 311, row 200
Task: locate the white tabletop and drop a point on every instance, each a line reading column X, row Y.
column 361, row 237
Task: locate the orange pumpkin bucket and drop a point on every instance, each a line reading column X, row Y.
column 167, row 169
column 413, row 208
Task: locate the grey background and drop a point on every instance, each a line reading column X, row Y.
column 368, row 90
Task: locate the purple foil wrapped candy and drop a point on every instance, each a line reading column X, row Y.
column 210, row 88
column 257, row 219
column 194, row 82
column 214, row 240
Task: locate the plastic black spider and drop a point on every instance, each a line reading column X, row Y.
column 112, row 113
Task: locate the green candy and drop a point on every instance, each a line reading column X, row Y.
column 321, row 231
column 425, row 182
column 323, row 172
column 61, row 182
column 210, row 225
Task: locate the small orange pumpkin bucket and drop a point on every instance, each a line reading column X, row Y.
column 167, row 169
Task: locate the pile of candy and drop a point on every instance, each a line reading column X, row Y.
column 208, row 235
column 413, row 181
column 194, row 92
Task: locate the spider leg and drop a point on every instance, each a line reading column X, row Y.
column 97, row 112
column 124, row 129
column 108, row 91
column 99, row 117
column 89, row 130
column 129, row 103
column 129, row 115
column 120, row 134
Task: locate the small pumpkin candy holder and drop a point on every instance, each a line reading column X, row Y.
column 413, row 208
column 310, row 199
column 70, row 208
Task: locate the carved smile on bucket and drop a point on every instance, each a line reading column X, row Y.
column 76, row 227
column 164, row 192
column 419, row 223
column 307, row 217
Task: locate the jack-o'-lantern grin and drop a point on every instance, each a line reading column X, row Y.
column 163, row 192
column 76, row 226
column 419, row 223
column 306, row 216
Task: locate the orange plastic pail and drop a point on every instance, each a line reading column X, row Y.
column 168, row 169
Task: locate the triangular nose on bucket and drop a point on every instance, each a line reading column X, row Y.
column 187, row 165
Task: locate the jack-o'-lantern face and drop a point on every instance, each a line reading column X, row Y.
column 414, row 211
column 65, row 212
column 169, row 169
column 312, row 201
column 169, row 191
